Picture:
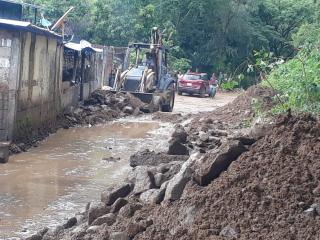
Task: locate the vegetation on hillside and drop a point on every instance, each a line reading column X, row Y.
column 215, row 36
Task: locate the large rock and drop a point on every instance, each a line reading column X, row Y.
column 34, row 237
column 108, row 219
column 151, row 158
column 177, row 184
column 128, row 210
column 97, row 210
column 159, row 178
column 177, row 148
column 70, row 223
column 121, row 202
column 180, row 134
column 109, row 197
column 214, row 163
column 152, row 196
column 144, row 180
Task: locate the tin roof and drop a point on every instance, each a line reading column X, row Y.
column 23, row 3
column 27, row 27
column 83, row 45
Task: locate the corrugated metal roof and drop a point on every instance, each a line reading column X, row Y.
column 14, row 22
column 83, row 45
column 23, row 4
column 28, row 27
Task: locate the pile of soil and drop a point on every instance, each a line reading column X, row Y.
column 102, row 106
column 271, row 192
column 242, row 108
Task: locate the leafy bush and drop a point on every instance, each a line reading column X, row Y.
column 229, row 86
column 298, row 81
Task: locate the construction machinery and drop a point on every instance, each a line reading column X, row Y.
column 144, row 73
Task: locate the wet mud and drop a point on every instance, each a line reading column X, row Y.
column 45, row 185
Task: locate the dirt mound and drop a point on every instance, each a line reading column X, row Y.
column 100, row 107
column 270, row 192
column 243, row 107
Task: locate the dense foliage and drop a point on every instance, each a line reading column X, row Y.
column 209, row 35
column 298, row 80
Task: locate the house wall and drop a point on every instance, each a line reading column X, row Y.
column 32, row 92
column 38, row 100
column 9, row 75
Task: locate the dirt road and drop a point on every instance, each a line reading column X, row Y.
column 67, row 170
column 193, row 104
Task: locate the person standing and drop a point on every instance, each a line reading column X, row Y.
column 213, row 85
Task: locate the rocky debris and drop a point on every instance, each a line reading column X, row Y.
column 212, row 165
column 180, row 134
column 177, row 148
column 241, row 109
column 144, row 180
column 97, row 210
column 70, row 223
column 108, row 219
column 35, row 237
column 178, row 141
column 100, row 107
column 128, row 210
column 110, row 196
column 178, row 182
column 151, row 158
column 121, row 202
column 134, row 228
column 267, row 193
column 152, row 196
column 159, row 178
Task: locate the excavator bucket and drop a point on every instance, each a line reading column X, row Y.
column 144, row 97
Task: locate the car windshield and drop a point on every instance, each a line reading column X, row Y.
column 191, row 77
column 204, row 77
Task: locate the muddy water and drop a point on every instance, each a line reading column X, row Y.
column 49, row 183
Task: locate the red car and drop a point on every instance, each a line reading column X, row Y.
column 194, row 83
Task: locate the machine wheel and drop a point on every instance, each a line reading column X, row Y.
column 179, row 93
column 202, row 92
column 169, row 107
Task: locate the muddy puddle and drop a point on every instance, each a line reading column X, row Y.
column 55, row 180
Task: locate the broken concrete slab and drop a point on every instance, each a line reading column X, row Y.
column 177, row 184
column 152, row 158
column 212, row 165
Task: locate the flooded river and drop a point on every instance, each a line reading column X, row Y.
column 55, row 180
